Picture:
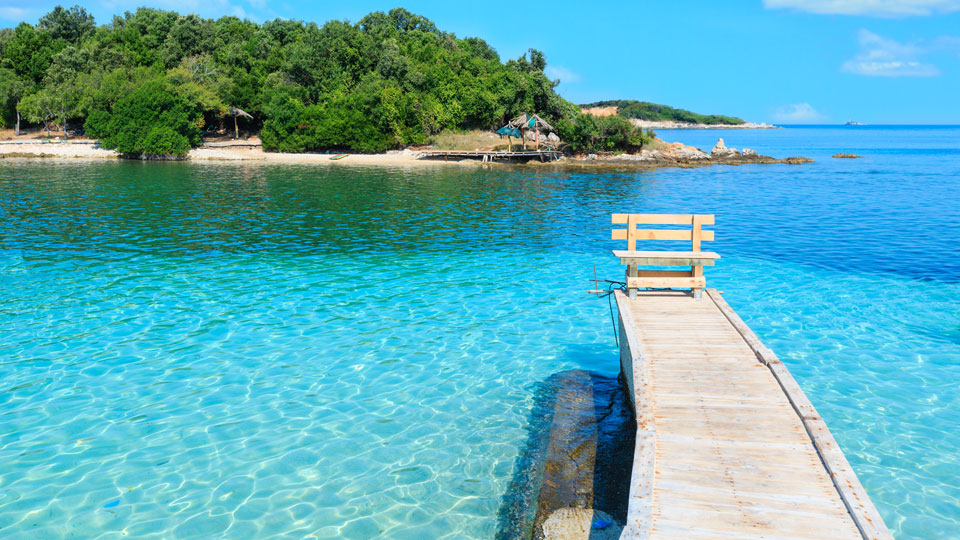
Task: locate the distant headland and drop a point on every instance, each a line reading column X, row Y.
column 646, row 115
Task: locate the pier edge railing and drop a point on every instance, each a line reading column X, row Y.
column 633, row 366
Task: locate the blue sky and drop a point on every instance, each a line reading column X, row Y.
column 781, row 61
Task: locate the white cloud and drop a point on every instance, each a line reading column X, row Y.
column 13, row 14
column 883, row 57
column 797, row 113
column 875, row 8
column 562, row 73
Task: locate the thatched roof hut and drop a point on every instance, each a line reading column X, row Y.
column 530, row 121
column 237, row 112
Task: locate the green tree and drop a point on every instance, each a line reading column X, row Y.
column 29, row 52
column 12, row 89
column 43, row 106
column 71, row 25
column 62, row 81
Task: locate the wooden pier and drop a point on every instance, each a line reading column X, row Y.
column 526, row 155
column 727, row 444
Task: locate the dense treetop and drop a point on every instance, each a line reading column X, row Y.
column 629, row 108
column 152, row 80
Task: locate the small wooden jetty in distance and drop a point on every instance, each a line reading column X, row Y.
column 487, row 156
column 727, row 444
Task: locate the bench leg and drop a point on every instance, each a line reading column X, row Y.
column 631, row 272
column 697, row 272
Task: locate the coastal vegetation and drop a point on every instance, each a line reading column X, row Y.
column 151, row 81
column 643, row 110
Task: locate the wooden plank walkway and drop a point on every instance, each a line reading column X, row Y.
column 525, row 155
column 727, row 444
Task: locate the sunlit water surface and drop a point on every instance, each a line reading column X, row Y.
column 247, row 351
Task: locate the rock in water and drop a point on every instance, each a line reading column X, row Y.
column 578, row 524
column 682, row 152
column 578, row 456
column 748, row 153
column 721, row 151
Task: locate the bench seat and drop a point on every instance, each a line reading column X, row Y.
column 666, row 258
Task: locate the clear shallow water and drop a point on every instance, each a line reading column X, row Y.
column 198, row 351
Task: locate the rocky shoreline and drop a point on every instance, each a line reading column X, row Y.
column 680, row 155
column 662, row 154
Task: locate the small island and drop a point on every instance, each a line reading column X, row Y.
column 138, row 88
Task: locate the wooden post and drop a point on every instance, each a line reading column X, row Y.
column 523, row 138
column 696, row 270
column 632, row 272
column 236, row 128
column 632, row 269
column 538, row 141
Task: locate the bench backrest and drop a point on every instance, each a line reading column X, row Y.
column 695, row 235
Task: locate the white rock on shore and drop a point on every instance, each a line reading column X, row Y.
column 721, row 150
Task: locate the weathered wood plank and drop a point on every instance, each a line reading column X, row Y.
column 664, row 273
column 663, row 261
column 630, row 253
column 665, row 282
column 662, row 234
column 663, row 219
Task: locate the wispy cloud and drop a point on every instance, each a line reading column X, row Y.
column 797, row 113
column 875, row 8
column 883, row 57
column 13, row 14
column 563, row 74
column 204, row 8
column 947, row 43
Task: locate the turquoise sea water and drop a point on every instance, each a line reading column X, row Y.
column 249, row 351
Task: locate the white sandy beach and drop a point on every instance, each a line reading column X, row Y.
column 215, row 152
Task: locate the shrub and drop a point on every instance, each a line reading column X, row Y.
column 162, row 140
column 283, row 129
column 588, row 133
column 97, row 124
column 153, row 120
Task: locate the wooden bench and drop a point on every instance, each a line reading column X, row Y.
column 665, row 279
